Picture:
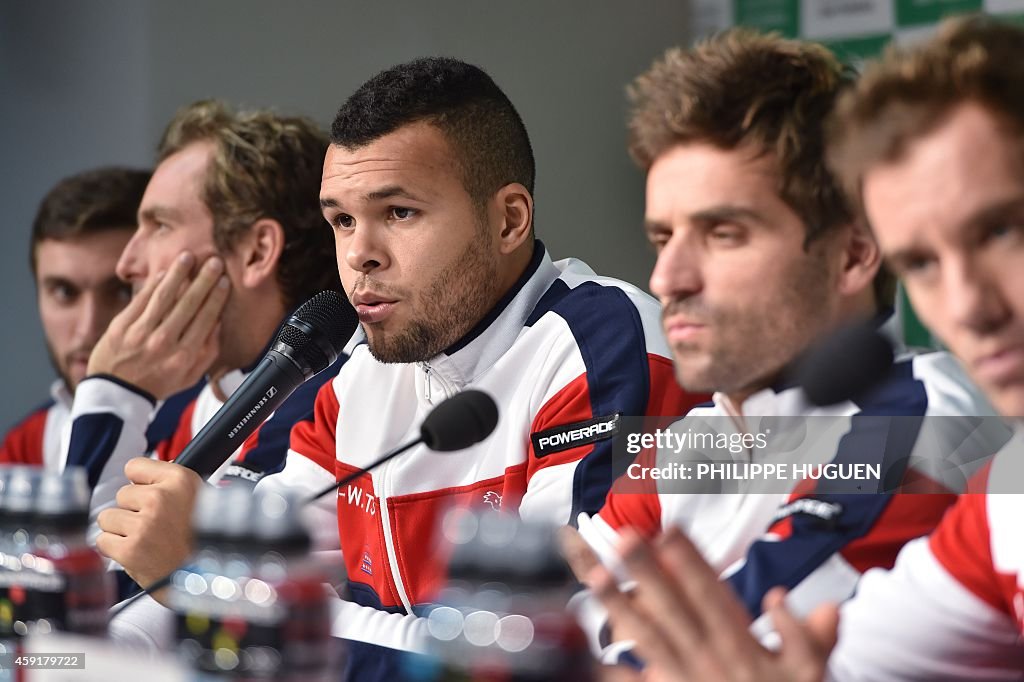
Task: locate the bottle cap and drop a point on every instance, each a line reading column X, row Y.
column 20, row 490
column 64, row 498
column 277, row 521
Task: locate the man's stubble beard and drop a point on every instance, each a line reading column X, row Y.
column 446, row 315
column 63, row 373
column 753, row 347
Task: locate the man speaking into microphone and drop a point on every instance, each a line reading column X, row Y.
column 428, row 189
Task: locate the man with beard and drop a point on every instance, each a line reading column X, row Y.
column 79, row 232
column 759, row 256
column 928, row 144
column 428, row 188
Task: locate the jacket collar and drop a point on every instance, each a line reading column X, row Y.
column 61, row 394
column 469, row 357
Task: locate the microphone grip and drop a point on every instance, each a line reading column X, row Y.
column 275, row 378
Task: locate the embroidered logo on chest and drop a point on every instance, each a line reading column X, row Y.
column 360, row 499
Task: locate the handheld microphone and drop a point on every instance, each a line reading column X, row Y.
column 308, row 343
column 460, row 421
column 845, row 365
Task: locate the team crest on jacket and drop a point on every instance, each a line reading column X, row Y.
column 493, row 499
column 366, row 565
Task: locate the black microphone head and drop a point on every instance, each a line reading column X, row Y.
column 845, row 365
column 463, row 420
column 314, row 336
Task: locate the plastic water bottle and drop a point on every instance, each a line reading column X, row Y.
column 502, row 615
column 16, row 546
column 71, row 589
column 251, row 605
column 18, row 486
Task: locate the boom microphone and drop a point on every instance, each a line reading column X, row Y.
column 308, row 343
column 460, row 421
column 845, row 365
column 463, row 420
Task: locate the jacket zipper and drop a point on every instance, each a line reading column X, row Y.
column 389, row 540
column 382, row 503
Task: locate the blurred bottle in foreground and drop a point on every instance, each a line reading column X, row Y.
column 51, row 580
column 502, row 615
column 252, row 605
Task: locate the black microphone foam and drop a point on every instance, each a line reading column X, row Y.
column 308, row 343
column 315, row 334
column 463, row 420
column 845, row 365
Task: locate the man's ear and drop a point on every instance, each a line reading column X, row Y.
column 861, row 259
column 514, row 206
column 259, row 251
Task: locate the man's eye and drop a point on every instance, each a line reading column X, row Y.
column 657, row 243
column 401, row 213
column 343, row 221
column 725, row 233
column 1003, row 231
column 916, row 266
column 63, row 294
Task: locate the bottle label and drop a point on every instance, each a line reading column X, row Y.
column 277, row 637
column 70, row 594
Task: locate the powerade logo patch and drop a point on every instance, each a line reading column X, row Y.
column 807, row 506
column 243, row 472
column 574, row 435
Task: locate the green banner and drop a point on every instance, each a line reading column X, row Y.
column 915, row 334
column 769, row 15
column 917, row 12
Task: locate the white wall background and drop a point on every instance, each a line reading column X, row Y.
column 91, row 82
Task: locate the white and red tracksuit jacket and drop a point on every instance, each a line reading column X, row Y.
column 41, row 437
column 817, row 551
column 953, row 606
column 36, row 439
column 564, row 348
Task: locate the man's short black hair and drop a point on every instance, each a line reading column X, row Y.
column 486, row 133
